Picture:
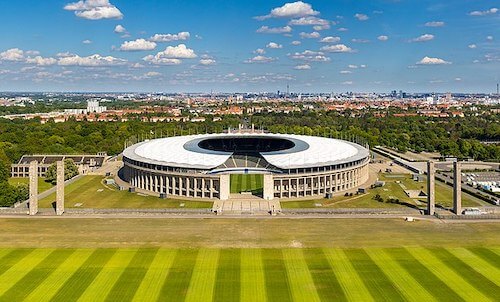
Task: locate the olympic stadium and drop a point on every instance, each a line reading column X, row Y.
column 202, row 166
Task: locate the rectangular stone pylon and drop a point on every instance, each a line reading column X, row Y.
column 33, row 178
column 268, row 187
column 60, row 188
column 431, row 202
column 224, row 186
column 457, row 188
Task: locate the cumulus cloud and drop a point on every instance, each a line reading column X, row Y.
column 490, row 11
column 291, row 10
column 171, row 37
column 302, row 67
column 423, row 38
column 361, row 17
column 171, row 55
column 345, row 72
column 313, row 35
column 337, row 48
column 90, row 61
column 310, row 56
column 296, row 43
column 383, row 38
column 360, row 40
column 274, row 30
column 119, row 29
column 311, row 20
column 260, row 59
column 330, row 39
column 274, row 45
column 152, row 74
column 41, row 61
column 489, row 38
column 259, row 51
column 472, row 46
column 13, row 54
column 342, row 29
column 94, row 9
column 138, row 45
column 432, row 61
column 434, row 24
column 207, row 62
column 87, row 42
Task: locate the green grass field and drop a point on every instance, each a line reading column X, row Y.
column 247, row 183
column 318, row 274
column 42, row 184
column 90, row 192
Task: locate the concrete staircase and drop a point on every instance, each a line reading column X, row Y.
column 245, row 204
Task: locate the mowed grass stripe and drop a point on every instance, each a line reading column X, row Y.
column 439, row 289
column 277, row 284
column 131, row 278
column 177, row 281
column 468, row 273
column 4, row 252
column 201, row 287
column 353, row 286
column 227, row 282
column 13, row 257
column 83, row 276
column 327, row 285
column 299, row 277
column 51, row 285
column 478, row 264
column 447, row 275
column 110, row 273
column 253, row 284
column 21, row 268
column 379, row 285
column 407, row 285
column 20, row 290
column 150, row 288
column 487, row 255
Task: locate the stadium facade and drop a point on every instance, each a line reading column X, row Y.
column 199, row 166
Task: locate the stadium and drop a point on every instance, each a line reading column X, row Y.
column 207, row 166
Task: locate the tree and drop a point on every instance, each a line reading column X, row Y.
column 4, row 172
column 70, row 171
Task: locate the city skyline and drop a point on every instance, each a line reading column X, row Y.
column 250, row 46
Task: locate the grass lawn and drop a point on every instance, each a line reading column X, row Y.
column 42, row 184
column 90, row 192
column 393, row 188
column 247, row 183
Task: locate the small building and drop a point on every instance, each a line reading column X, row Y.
column 85, row 163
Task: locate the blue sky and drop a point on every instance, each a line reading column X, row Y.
column 250, row 45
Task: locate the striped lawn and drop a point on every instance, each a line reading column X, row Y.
column 246, row 182
column 151, row 274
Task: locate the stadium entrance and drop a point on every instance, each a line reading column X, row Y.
column 247, row 184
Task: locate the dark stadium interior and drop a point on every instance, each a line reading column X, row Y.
column 243, row 145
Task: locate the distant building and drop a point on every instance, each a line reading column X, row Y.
column 85, row 163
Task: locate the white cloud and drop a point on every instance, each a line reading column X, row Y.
column 40, row 61
column 321, row 27
column 152, row 74
column 360, row 40
column 119, row 29
column 472, row 46
column 432, row 61
column 87, row 42
column 304, row 21
column 302, row 67
column 490, row 11
column 434, row 24
column 345, row 72
column 274, row 30
column 138, row 45
column 260, row 59
column 94, row 9
column 337, row 48
column 342, row 29
column 330, row 39
column 13, row 54
column 313, row 35
column 291, row 10
column 310, row 56
column 274, row 45
column 361, row 17
column 489, row 38
column 259, row 51
column 90, row 61
column 207, row 62
column 171, row 55
column 423, row 38
column 383, row 38
column 352, row 66
column 296, row 43
column 347, row 83
column 170, row 37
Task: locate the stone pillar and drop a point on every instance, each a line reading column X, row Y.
column 268, row 187
column 430, row 188
column 457, row 188
column 211, row 188
column 224, row 186
column 60, row 188
column 33, row 175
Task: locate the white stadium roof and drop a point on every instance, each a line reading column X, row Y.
column 184, row 152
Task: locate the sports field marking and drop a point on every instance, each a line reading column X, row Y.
column 51, row 285
column 478, row 264
column 107, row 277
column 253, row 285
column 447, row 275
column 299, row 277
column 409, row 287
column 150, row 288
column 227, row 280
column 21, row 268
column 202, row 283
column 349, row 280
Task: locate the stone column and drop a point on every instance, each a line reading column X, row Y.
column 33, row 175
column 224, row 186
column 430, row 188
column 457, row 188
column 60, row 188
column 268, row 189
column 211, row 188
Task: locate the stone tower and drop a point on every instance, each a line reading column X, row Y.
column 33, row 179
column 457, row 188
column 60, row 188
column 431, row 206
